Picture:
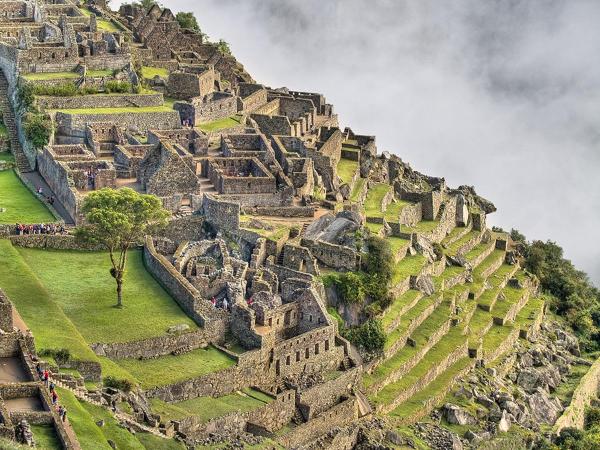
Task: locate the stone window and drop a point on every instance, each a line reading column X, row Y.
column 297, row 356
column 326, row 345
column 287, row 360
column 306, row 353
column 317, row 348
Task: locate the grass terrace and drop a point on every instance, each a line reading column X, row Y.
column 80, row 284
column 453, row 235
column 45, row 437
column 99, row 73
column 410, row 265
column 3, row 133
column 150, row 72
column 455, row 246
column 435, row 389
column 221, row 124
column 346, row 169
column 495, row 337
column 171, row 369
column 374, row 199
column 358, row 188
column 20, row 204
column 394, row 209
column 47, row 76
column 425, row 226
column 207, row 408
column 124, row 110
column 398, row 243
column 103, row 24
column 399, row 306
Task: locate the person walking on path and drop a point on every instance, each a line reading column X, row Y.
column 46, row 377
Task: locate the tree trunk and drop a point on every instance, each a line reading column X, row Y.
column 119, row 281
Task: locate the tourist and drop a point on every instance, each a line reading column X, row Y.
column 64, row 415
column 54, row 397
column 225, row 305
column 250, row 301
column 46, row 377
column 52, row 386
column 60, row 411
column 214, row 302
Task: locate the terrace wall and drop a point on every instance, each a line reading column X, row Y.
column 100, row 101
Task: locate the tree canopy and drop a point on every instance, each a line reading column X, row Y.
column 187, row 20
column 118, row 219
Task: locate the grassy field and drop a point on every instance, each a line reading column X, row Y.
column 358, row 187
column 20, row 203
column 208, row 408
column 80, row 283
column 221, row 124
column 171, row 369
column 346, row 169
column 150, row 72
column 124, row 110
column 7, row 156
column 45, row 437
column 45, row 76
column 374, row 199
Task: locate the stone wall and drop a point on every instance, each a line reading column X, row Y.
column 334, row 256
column 142, row 120
column 100, row 101
column 585, row 392
column 54, row 242
column 6, row 320
column 153, row 347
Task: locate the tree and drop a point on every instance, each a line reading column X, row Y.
column 187, row 20
column 223, row 47
column 118, row 220
column 147, row 4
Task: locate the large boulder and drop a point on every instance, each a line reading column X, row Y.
column 543, row 409
column 456, row 415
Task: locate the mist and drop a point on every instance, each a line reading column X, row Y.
column 502, row 95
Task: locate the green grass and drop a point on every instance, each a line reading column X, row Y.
column 425, row 226
column 103, row 24
column 410, row 265
column 398, row 305
column 346, row 170
column 3, row 133
column 45, row 437
column 6, row 156
column 398, row 243
column 52, row 329
column 47, row 76
column 434, row 388
column 394, row 209
column 567, row 387
column 478, row 250
column 88, row 433
column 150, row 72
column 80, row 283
column 208, row 408
column 433, row 357
column 495, row 337
column 221, row 124
column 151, row 442
column 456, row 231
column 99, row 73
column 357, row 189
column 487, row 263
column 455, row 246
column 171, row 369
column 124, row 110
column 21, row 205
column 374, row 199
column 111, row 429
column 408, row 317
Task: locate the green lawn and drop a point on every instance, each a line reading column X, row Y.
column 346, row 170
column 208, row 408
column 7, row 156
column 99, row 73
column 409, row 265
column 46, row 76
column 20, row 203
column 221, row 124
column 103, row 24
column 124, row 110
column 150, row 72
column 171, row 369
column 401, row 303
column 80, row 283
column 45, row 437
column 358, row 188
column 374, row 199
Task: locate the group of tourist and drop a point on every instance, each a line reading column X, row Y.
column 39, row 228
column 91, row 177
column 225, row 303
column 49, row 199
column 44, row 375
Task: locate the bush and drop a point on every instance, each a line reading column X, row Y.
column 26, row 96
column 592, row 417
column 57, row 90
column 369, row 336
column 38, row 129
column 350, row 287
column 117, row 87
column 116, row 383
column 60, row 355
column 379, row 260
column 570, row 438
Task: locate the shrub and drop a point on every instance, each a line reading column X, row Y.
column 60, row 355
column 370, row 336
column 57, row 90
column 592, row 417
column 570, row 438
column 379, row 260
column 26, row 96
column 117, row 383
column 117, row 87
column 350, row 287
column 38, row 129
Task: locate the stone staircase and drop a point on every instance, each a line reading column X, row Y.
column 83, row 394
column 11, row 126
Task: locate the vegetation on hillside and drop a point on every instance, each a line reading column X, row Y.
column 570, row 292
